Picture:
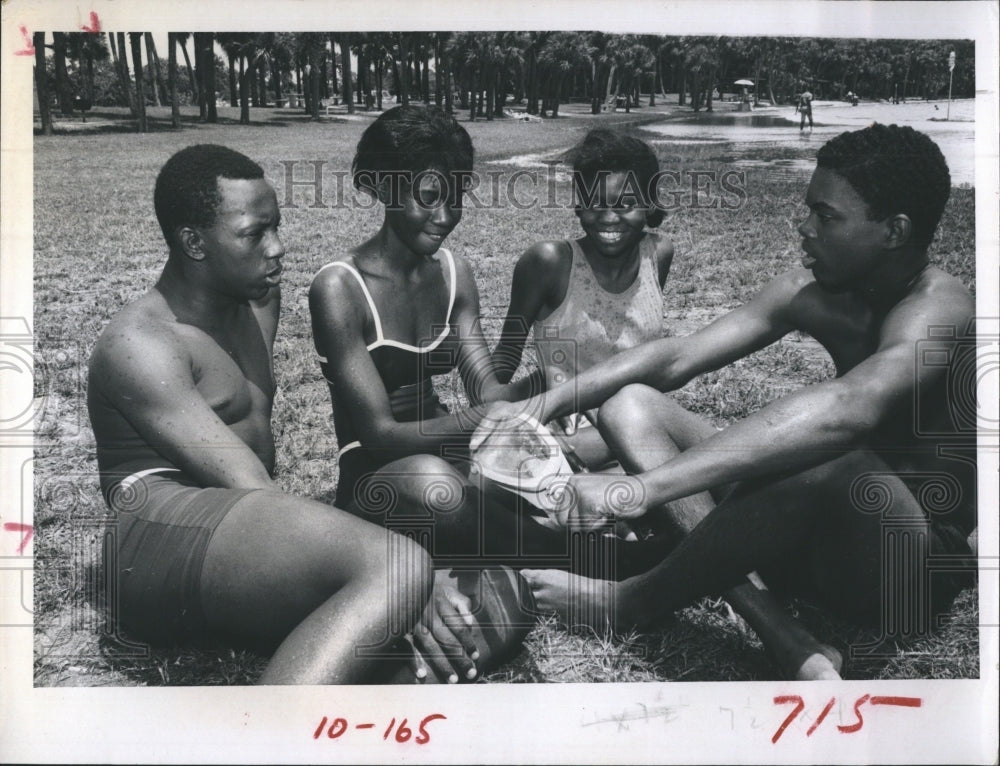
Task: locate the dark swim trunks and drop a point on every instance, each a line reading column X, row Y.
column 165, row 522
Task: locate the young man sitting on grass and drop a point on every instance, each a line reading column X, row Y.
column 858, row 490
column 206, row 545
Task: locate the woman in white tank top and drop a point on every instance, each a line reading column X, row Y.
column 587, row 299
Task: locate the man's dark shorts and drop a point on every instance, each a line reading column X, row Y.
column 164, row 523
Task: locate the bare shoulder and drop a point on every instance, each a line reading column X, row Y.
column 792, row 292
column 140, row 341
column 663, row 253
column 936, row 298
column 546, row 259
column 335, row 292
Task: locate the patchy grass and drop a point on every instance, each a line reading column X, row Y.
column 97, row 247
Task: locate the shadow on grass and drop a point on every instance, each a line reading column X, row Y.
column 101, row 123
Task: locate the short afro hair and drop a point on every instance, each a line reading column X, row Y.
column 604, row 151
column 187, row 188
column 895, row 169
column 410, row 140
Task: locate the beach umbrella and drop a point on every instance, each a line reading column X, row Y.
column 743, row 82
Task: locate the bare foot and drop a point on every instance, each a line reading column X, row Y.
column 824, row 665
column 575, row 599
column 802, row 658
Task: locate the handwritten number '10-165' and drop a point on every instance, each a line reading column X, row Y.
column 403, row 732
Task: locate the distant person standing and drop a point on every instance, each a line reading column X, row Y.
column 805, row 110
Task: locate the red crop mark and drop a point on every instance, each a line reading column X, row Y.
column 25, row 529
column 95, row 24
column 799, row 707
column 29, row 47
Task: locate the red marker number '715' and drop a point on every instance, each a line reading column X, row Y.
column 800, row 705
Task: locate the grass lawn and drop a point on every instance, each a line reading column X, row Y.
column 98, row 247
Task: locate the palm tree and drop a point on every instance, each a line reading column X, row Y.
column 204, row 56
column 87, row 47
column 182, row 38
column 282, row 55
column 401, row 62
column 345, row 68
column 227, row 41
column 42, row 83
column 175, row 110
column 135, row 38
column 562, row 53
column 156, row 76
column 63, row 92
column 121, row 69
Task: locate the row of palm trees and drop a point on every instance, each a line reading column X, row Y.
column 485, row 71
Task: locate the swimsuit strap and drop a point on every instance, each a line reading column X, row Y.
column 379, row 338
column 454, row 283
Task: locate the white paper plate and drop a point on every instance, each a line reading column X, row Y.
column 525, row 458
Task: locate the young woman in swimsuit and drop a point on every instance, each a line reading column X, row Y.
column 387, row 316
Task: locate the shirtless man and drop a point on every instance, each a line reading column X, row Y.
column 844, row 488
column 180, row 394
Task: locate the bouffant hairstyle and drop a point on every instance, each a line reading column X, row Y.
column 407, row 141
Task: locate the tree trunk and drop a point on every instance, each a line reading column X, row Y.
column 89, row 56
column 124, row 78
column 438, row 73
column 63, row 91
column 345, row 55
column 199, row 76
column 262, row 79
column 657, row 83
column 135, row 38
column 244, row 92
column 324, row 80
column 756, row 87
column 42, row 83
column 531, row 88
column 157, row 75
column 403, row 77
column 426, row 80
column 251, row 78
column 449, row 98
column 360, row 76
column 491, row 92
column 175, row 109
column 379, row 64
column 276, row 73
column 208, row 52
column 314, row 83
column 195, row 91
column 233, row 95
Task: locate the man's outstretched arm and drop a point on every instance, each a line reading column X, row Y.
column 824, row 420
column 669, row 363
